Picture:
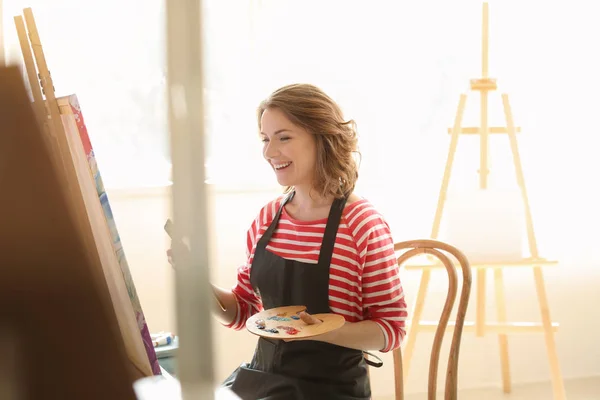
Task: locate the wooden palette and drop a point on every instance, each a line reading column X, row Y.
column 288, row 325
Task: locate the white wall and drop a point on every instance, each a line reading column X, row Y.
column 572, row 289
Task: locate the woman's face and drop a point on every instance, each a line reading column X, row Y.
column 289, row 149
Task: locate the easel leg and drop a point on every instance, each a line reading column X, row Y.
column 34, row 83
column 413, row 325
column 557, row 382
column 39, row 104
column 437, row 219
column 502, row 338
column 54, row 124
column 480, row 319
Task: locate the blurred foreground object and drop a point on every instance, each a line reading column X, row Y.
column 56, row 320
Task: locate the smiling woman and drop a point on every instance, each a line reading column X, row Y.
column 320, row 246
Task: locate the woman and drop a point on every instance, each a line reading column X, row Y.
column 321, row 246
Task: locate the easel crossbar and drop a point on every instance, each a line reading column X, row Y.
column 491, row 327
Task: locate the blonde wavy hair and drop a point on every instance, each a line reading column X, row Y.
column 309, row 107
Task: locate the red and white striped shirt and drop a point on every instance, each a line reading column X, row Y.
column 363, row 279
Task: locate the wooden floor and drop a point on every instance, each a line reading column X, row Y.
column 580, row 389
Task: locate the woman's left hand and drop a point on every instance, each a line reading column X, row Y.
column 308, row 320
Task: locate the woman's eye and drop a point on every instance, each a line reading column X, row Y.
column 284, row 138
column 264, row 140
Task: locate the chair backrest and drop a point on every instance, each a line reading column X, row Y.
column 439, row 249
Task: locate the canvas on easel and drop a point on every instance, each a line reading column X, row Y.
column 74, row 124
column 67, row 136
column 76, row 130
column 502, row 327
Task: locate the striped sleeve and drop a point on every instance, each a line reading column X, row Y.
column 248, row 302
column 383, row 296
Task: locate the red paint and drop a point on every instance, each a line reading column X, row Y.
column 290, row 330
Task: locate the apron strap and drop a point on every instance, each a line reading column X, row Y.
column 264, row 240
column 372, row 363
column 331, row 229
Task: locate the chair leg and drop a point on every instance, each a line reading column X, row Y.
column 398, row 375
column 413, row 326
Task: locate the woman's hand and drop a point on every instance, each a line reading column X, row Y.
column 310, row 320
column 170, row 257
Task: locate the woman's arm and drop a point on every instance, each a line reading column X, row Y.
column 240, row 302
column 229, row 308
column 364, row 335
column 225, row 298
column 384, row 307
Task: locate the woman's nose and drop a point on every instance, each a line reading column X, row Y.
column 271, row 150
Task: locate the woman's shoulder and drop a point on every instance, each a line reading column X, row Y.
column 360, row 213
column 357, row 204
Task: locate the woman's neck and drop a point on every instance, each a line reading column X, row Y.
column 308, row 205
column 307, row 198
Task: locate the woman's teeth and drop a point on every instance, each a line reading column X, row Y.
column 281, row 166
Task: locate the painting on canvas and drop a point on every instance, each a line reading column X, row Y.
column 69, row 106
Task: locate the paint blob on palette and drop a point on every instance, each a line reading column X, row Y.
column 285, row 323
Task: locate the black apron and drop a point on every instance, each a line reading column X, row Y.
column 306, row 369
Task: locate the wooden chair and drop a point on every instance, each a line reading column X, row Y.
column 438, row 249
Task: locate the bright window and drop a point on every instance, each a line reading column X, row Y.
column 397, row 68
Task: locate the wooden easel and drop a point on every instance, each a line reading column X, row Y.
column 484, row 85
column 77, row 183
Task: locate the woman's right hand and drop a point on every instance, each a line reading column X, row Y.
column 170, row 257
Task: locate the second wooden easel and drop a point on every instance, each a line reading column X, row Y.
column 502, row 327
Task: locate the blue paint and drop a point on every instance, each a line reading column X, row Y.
column 276, row 318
